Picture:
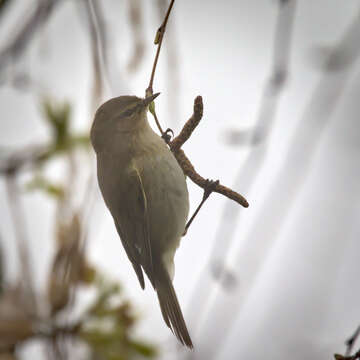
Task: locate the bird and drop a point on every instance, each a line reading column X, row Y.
column 145, row 190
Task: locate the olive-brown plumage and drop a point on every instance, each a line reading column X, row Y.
column 145, row 190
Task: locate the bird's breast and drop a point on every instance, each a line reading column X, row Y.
column 164, row 187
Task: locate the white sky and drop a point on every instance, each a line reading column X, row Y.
column 300, row 303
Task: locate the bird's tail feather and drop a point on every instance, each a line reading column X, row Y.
column 170, row 307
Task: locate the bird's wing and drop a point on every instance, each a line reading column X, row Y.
column 133, row 226
column 132, row 254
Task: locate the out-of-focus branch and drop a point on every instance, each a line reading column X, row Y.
column 22, row 39
column 3, row 6
column 95, row 50
column 21, row 242
column 59, row 331
column 19, row 160
column 283, row 192
column 264, row 123
column 99, row 47
column 101, row 30
column 249, row 170
column 137, row 28
column 275, row 82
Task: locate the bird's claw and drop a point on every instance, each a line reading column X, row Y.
column 166, row 135
column 210, row 186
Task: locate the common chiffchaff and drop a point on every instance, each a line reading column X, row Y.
column 145, row 190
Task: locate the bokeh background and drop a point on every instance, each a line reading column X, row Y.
column 280, row 85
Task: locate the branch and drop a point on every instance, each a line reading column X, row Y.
column 189, row 127
column 18, row 160
column 137, row 28
column 158, row 41
column 356, row 356
column 95, row 51
column 349, row 346
column 184, row 162
column 56, row 331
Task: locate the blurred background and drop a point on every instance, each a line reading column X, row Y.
column 280, row 85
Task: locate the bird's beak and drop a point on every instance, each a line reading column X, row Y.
column 149, row 99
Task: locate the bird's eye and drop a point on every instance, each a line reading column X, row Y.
column 127, row 112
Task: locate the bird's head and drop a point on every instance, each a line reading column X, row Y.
column 123, row 114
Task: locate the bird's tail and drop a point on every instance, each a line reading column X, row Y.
column 170, row 307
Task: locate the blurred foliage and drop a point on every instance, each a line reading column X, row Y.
column 58, row 116
column 106, row 325
column 41, row 183
column 63, row 142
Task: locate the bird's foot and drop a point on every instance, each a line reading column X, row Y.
column 210, row 186
column 166, row 135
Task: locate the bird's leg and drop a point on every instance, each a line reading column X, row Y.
column 166, row 135
column 210, row 186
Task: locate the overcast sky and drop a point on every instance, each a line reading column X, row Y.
column 294, row 253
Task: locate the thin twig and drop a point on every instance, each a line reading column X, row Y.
column 356, row 356
column 158, row 124
column 349, row 346
column 189, row 127
column 158, row 40
column 22, row 38
column 351, row 341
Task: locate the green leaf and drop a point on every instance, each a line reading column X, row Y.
column 41, row 183
column 152, row 108
column 144, row 349
column 58, row 117
column 89, row 275
column 108, row 323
